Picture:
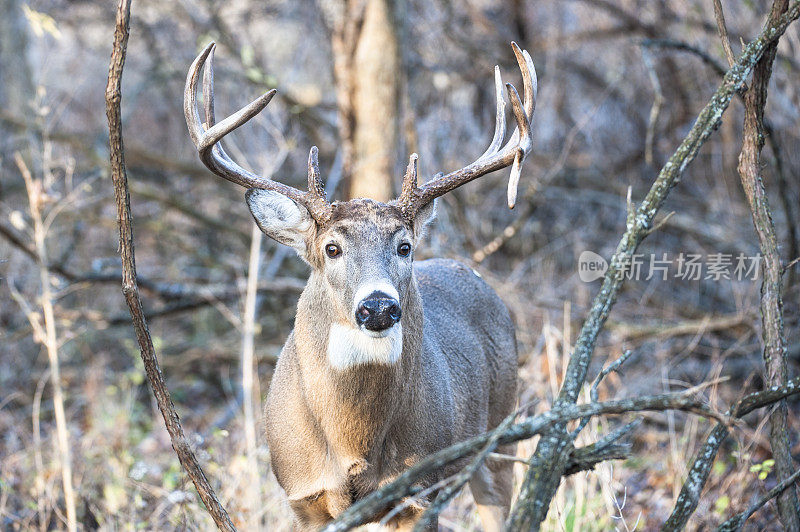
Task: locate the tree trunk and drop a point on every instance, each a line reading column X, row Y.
column 771, row 298
column 367, row 68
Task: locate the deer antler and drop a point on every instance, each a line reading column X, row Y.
column 207, row 136
column 412, row 198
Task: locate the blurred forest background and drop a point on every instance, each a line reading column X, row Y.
column 620, row 84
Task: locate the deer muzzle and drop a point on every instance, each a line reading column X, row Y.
column 378, row 312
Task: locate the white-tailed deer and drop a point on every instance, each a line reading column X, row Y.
column 390, row 359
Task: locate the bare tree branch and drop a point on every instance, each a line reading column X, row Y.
column 696, row 478
column 364, row 510
column 47, row 336
column 771, row 286
column 736, row 522
column 719, row 17
column 129, row 284
column 686, row 47
column 446, row 495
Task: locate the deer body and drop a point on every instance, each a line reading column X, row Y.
column 336, row 434
column 389, row 360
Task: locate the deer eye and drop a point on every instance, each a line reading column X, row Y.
column 404, row 249
column 333, row 251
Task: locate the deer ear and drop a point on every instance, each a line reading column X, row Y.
column 423, row 219
column 280, row 218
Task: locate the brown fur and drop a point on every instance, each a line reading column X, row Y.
column 337, row 435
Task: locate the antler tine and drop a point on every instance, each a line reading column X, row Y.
column 523, row 117
column 530, row 84
column 190, row 96
column 315, row 184
column 524, row 129
column 500, row 116
column 495, row 157
column 315, row 201
column 208, row 99
column 206, row 137
column 215, row 133
column 208, row 87
column 409, row 180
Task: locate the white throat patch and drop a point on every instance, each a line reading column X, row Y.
column 349, row 347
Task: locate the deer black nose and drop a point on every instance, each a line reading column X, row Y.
column 378, row 312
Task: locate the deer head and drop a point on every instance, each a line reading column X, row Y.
column 360, row 251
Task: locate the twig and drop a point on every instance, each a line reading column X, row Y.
column 614, row 366
column 686, row 47
column 719, row 18
column 661, row 223
column 603, row 450
column 586, row 458
column 410, row 501
column 735, row 523
column 37, row 448
column 203, row 298
column 690, row 327
column 129, row 283
column 696, row 478
column 786, row 200
column 790, row 265
column 655, row 109
column 500, row 457
column 248, row 363
column 47, row 336
column 541, row 482
column 181, row 294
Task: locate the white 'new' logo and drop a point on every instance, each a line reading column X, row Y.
column 591, row 266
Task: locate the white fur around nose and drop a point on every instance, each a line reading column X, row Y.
column 348, row 346
column 368, row 288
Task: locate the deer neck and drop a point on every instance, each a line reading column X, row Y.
column 317, row 326
column 355, row 404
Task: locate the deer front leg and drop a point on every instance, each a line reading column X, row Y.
column 491, row 488
column 407, row 522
